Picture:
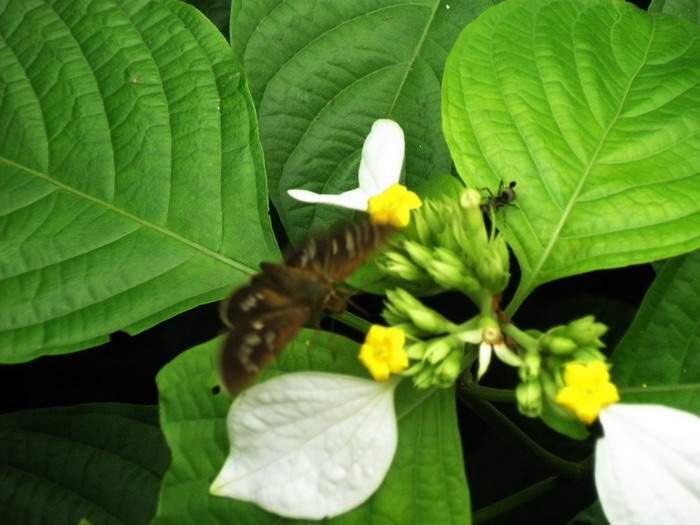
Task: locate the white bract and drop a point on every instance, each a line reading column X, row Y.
column 380, row 168
column 647, row 465
column 309, row 445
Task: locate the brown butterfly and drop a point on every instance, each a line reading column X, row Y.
column 265, row 314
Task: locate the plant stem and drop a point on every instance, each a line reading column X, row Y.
column 515, row 500
column 353, row 321
column 499, row 395
column 528, row 342
column 560, row 467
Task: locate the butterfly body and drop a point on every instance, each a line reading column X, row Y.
column 267, row 313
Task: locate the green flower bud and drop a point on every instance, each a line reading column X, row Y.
column 420, row 254
column 529, row 396
column 531, row 366
column 445, row 275
column 494, row 276
column 586, row 331
column 425, row 378
column 470, row 202
column 558, row 345
column 448, row 371
column 396, row 264
column 403, row 309
column 438, row 350
column 500, row 248
column 416, row 351
column 412, row 370
column 434, row 212
column 587, row 354
column 429, row 321
column 419, row 228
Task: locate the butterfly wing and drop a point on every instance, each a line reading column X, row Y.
column 337, row 255
column 267, row 313
column 262, row 323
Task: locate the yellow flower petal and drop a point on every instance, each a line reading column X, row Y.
column 393, row 206
column 588, row 389
column 382, row 353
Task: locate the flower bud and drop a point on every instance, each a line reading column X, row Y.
column 586, row 331
column 531, row 366
column 421, row 255
column 425, row 378
column 491, row 272
column 447, row 372
column 429, row 321
column 558, row 345
column 396, row 264
column 529, row 396
column 437, row 350
column 470, row 202
column 587, row 354
column 402, row 308
column 416, row 351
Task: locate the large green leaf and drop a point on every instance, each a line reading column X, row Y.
column 128, row 144
column 594, row 109
column 322, row 72
column 659, row 357
column 100, row 462
column 687, row 9
column 425, row 484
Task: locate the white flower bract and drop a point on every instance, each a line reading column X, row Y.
column 309, row 445
column 380, row 168
column 647, row 465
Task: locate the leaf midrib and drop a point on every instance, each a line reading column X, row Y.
column 130, row 216
column 532, row 281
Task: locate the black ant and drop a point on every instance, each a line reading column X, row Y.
column 504, row 197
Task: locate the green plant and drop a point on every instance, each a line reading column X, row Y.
column 138, row 152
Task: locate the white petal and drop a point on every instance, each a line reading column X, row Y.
column 507, row 355
column 309, row 445
column 354, row 199
column 382, row 157
column 484, row 359
column 647, row 467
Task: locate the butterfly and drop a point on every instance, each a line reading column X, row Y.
column 266, row 314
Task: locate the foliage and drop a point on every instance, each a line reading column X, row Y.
column 139, row 151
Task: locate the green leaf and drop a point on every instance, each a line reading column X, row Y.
column 594, row 109
column 686, row 9
column 658, row 359
column 127, row 143
column 321, row 72
column 425, row 484
column 441, row 186
column 100, row 462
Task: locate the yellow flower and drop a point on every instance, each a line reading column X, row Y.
column 383, row 353
column 588, row 389
column 393, row 206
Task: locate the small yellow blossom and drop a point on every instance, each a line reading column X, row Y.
column 588, row 389
column 383, row 353
column 393, row 206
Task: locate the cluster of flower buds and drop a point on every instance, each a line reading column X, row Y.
column 447, row 247
column 541, row 371
column 436, row 353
